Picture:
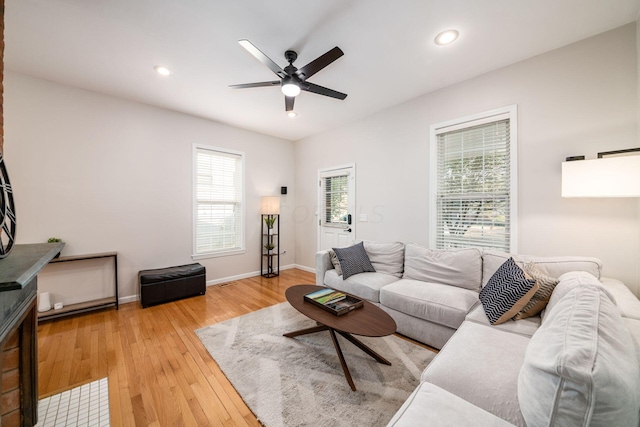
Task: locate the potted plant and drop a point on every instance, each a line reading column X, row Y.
column 269, row 247
column 55, row 240
column 270, row 220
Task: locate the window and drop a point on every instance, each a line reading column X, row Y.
column 473, row 182
column 218, row 201
column 336, row 198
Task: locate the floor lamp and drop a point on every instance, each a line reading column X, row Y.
column 612, row 174
column 270, row 239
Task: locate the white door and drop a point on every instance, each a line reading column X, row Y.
column 336, row 207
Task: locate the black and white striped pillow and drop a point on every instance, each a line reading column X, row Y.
column 506, row 292
column 353, row 260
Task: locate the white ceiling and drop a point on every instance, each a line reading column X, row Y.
column 111, row 46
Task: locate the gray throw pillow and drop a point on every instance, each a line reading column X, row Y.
column 540, row 299
column 353, row 260
column 506, row 292
column 335, row 261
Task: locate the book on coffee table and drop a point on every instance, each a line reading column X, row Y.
column 333, row 301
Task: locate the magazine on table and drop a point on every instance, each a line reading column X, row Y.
column 333, row 301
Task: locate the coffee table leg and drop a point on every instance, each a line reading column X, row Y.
column 364, row 348
column 345, row 369
column 306, row 331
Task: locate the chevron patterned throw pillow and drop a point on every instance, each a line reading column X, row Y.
column 353, row 260
column 506, row 292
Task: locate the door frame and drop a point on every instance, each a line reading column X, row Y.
column 319, row 203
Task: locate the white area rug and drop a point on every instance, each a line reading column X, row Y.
column 86, row 406
column 299, row 381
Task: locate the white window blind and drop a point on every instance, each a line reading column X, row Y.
column 335, row 200
column 474, row 186
column 219, row 199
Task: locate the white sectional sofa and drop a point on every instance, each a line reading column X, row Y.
column 578, row 363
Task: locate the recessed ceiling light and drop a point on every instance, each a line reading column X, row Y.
column 292, row 114
column 163, row 71
column 446, row 37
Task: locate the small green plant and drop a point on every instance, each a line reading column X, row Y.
column 269, row 246
column 270, row 220
column 54, row 240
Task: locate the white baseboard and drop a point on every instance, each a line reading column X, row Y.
column 305, row 268
column 232, row 278
column 130, row 298
column 133, row 298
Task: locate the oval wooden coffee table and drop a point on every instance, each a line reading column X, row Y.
column 368, row 321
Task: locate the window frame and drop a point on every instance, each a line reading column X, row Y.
column 323, row 206
column 509, row 112
column 194, row 204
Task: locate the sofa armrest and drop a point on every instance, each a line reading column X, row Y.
column 323, row 263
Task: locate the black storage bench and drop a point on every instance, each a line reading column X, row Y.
column 170, row 284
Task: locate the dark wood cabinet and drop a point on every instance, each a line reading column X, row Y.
column 19, row 332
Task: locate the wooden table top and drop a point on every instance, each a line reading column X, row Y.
column 368, row 320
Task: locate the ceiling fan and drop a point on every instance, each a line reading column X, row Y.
column 292, row 79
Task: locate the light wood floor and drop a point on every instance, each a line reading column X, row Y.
column 159, row 372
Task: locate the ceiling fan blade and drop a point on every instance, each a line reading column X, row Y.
column 319, row 63
column 259, row 84
column 288, row 103
column 310, row 87
column 257, row 53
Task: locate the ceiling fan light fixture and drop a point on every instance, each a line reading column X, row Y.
column 163, row 71
column 290, row 89
column 446, row 37
column 292, row 114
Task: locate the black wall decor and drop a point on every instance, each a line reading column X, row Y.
column 7, row 212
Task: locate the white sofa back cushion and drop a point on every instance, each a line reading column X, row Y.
column 462, row 267
column 386, row 258
column 570, row 281
column 581, row 366
column 551, row 266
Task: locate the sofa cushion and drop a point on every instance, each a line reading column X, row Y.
column 551, row 266
column 363, row 285
column 628, row 304
column 508, row 290
column 634, row 329
column 437, row 303
column 568, row 282
column 353, row 260
column 539, row 300
column 461, row 268
column 581, row 366
column 386, row 258
column 429, row 405
column 480, row 364
column 432, row 334
column 525, row 327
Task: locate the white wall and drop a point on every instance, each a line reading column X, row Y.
column 106, row 174
column 637, row 262
column 580, row 99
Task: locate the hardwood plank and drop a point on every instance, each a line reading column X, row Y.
column 159, row 372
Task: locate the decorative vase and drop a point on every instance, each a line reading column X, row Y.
column 45, row 302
